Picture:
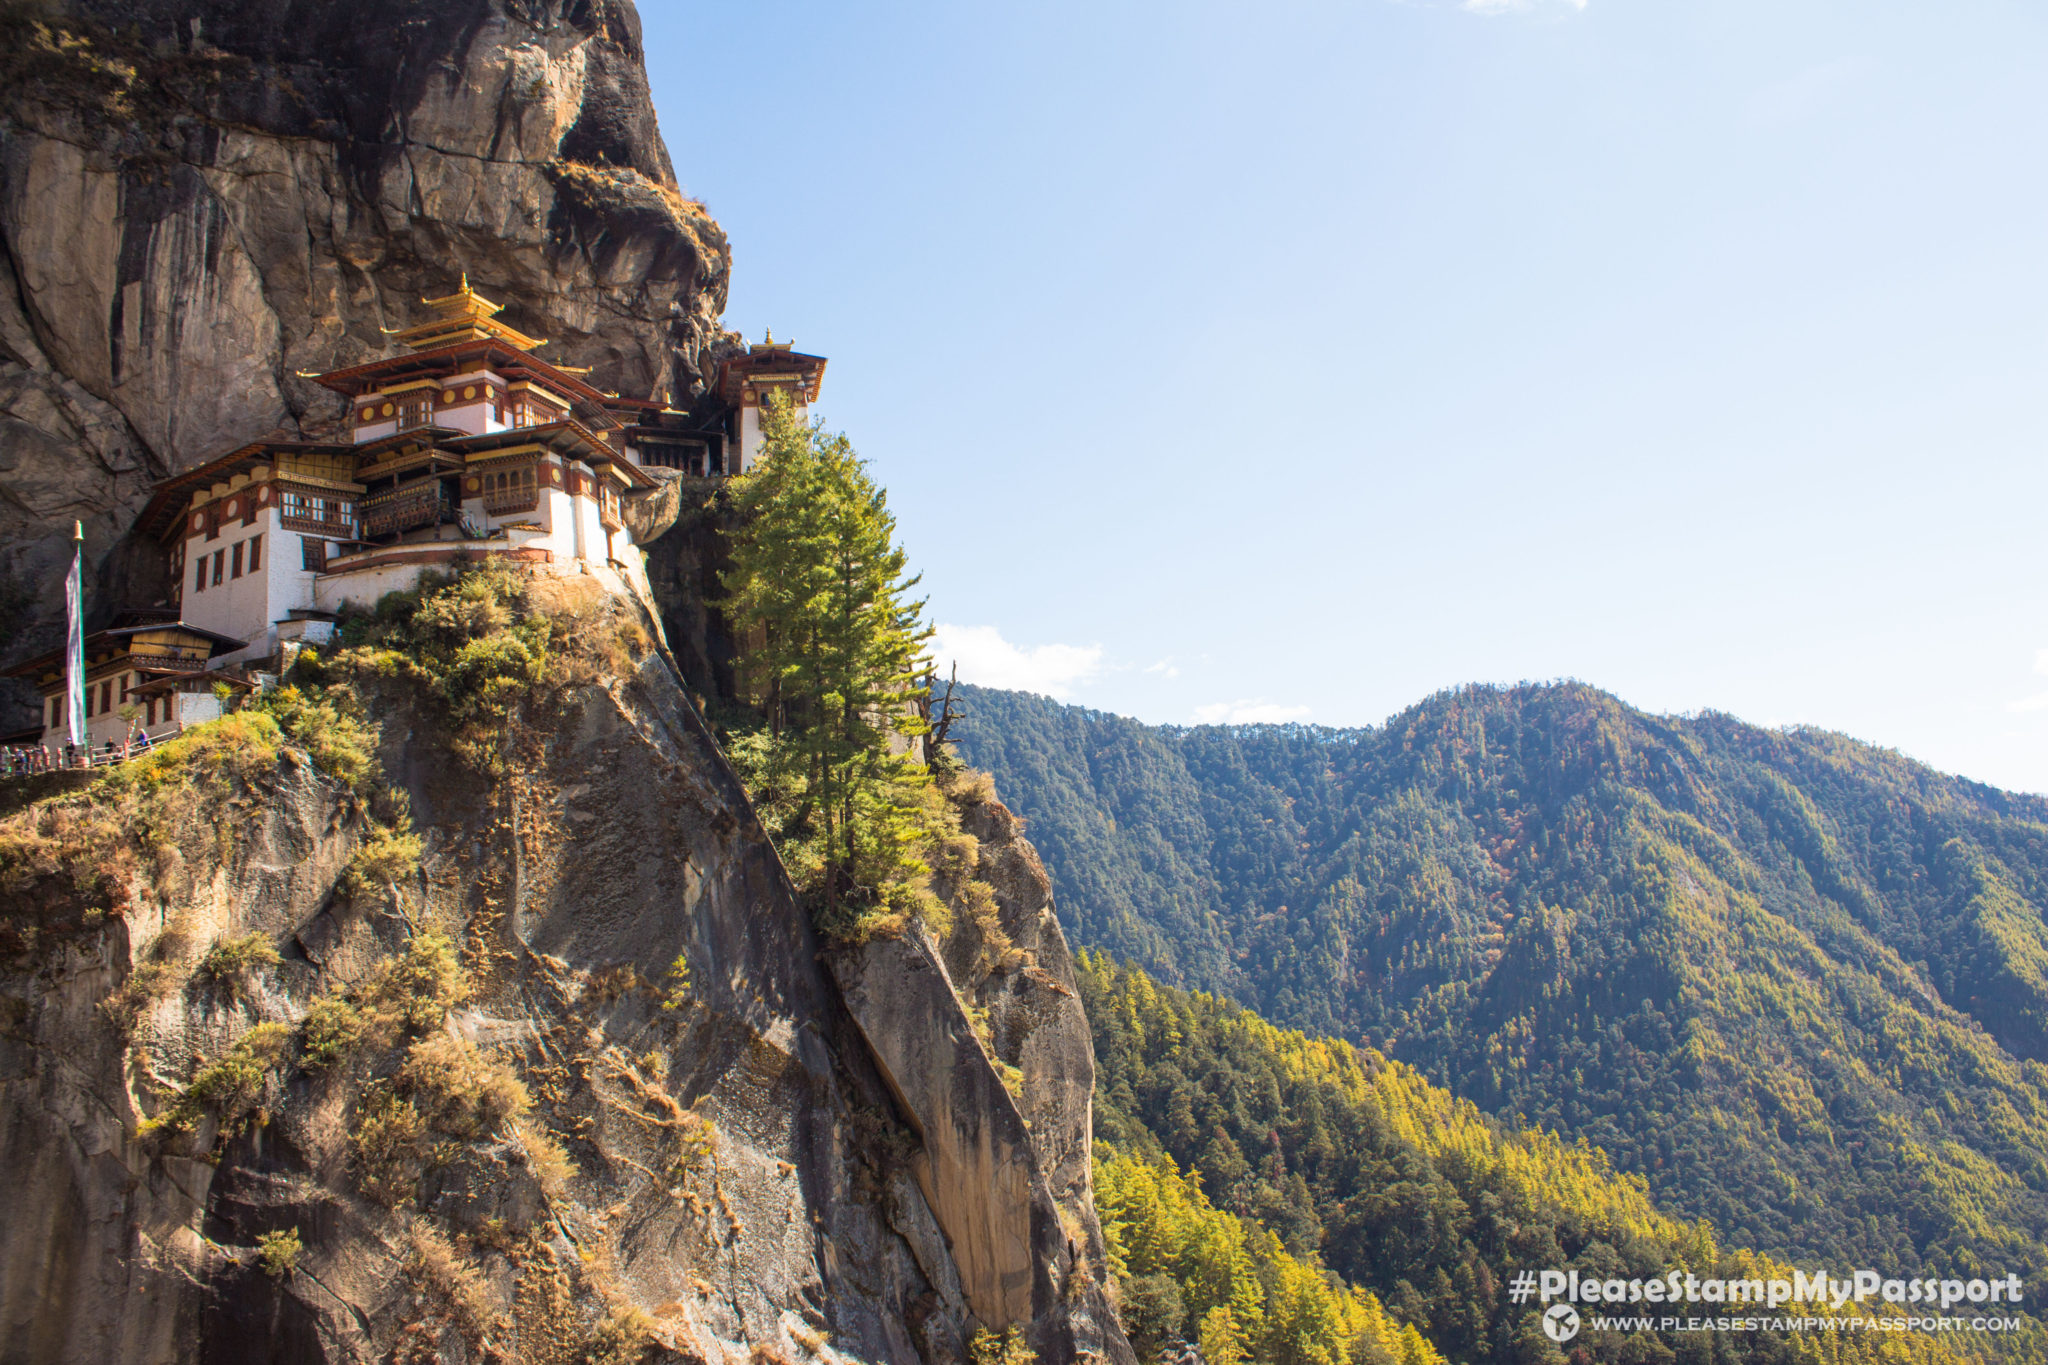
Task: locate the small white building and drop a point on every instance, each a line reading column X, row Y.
column 720, row 434
column 746, row 383
column 151, row 674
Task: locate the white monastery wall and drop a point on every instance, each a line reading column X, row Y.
column 362, row 587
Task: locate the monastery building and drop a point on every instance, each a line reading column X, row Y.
column 464, row 445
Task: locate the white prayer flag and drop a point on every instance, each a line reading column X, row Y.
column 74, row 650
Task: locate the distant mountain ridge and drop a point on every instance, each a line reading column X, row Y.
column 1799, row 983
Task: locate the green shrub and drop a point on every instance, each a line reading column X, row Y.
column 388, row 855
column 621, row 1337
column 1005, row 1348
column 413, row 993
column 235, row 747
column 328, row 723
column 408, row 995
column 230, row 960
column 227, row 1088
column 475, row 643
column 390, row 1144
column 278, row 1252
column 550, row 1165
column 457, row 1089
column 330, row 1031
column 150, row 982
column 437, row 1266
column 676, row 984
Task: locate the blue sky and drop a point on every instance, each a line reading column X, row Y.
column 1232, row 361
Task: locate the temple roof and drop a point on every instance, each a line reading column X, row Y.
column 100, row 640
column 166, row 507
column 766, row 362
column 464, row 315
column 456, row 357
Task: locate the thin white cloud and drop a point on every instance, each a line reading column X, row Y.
column 1166, row 668
column 986, row 658
column 1248, row 711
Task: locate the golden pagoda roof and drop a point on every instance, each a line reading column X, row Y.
column 765, row 358
column 464, row 315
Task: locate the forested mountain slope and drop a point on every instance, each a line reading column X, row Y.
column 1230, row 1150
column 1798, row 983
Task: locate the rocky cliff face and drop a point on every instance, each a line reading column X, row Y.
column 200, row 199
column 722, row 1154
column 653, row 1117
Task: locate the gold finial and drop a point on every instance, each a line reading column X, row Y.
column 768, row 336
column 464, row 315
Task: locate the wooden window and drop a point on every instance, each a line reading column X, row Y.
column 303, row 511
column 56, row 711
column 514, row 489
column 414, row 410
column 314, row 551
column 199, row 576
column 235, row 561
column 124, row 689
column 219, row 564
column 423, row 502
column 255, row 552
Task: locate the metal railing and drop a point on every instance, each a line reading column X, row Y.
column 27, row 760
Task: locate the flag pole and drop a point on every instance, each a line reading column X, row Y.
column 74, row 645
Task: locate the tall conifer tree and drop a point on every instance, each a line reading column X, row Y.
column 832, row 647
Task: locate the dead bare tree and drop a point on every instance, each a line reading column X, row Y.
column 939, row 720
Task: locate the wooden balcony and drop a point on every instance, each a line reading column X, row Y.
column 339, row 522
column 511, row 502
column 407, row 508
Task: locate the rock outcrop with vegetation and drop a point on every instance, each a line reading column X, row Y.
column 450, row 1003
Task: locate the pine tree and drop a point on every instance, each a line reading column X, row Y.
column 833, row 653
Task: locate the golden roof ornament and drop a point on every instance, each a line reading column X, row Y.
column 464, row 315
